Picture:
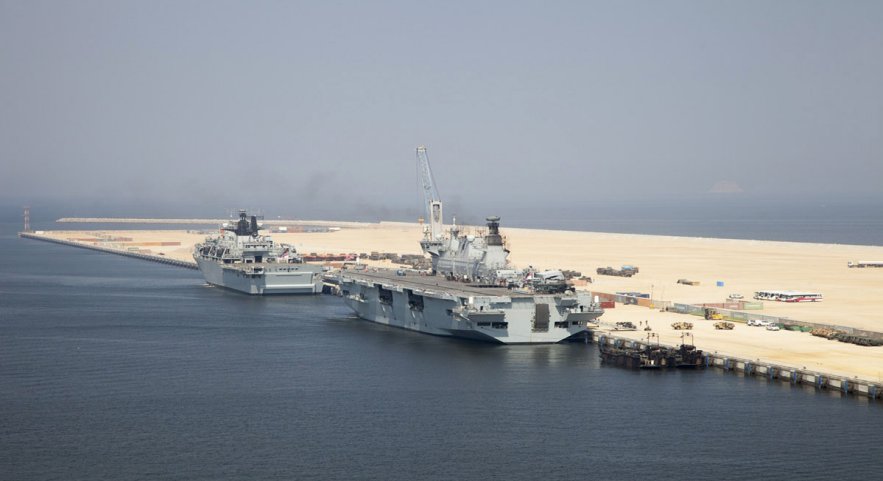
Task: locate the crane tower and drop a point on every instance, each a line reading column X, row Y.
column 431, row 201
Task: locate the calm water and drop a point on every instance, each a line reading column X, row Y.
column 112, row 368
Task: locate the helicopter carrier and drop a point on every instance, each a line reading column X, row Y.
column 242, row 259
column 471, row 291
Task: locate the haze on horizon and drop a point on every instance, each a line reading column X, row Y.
column 315, row 104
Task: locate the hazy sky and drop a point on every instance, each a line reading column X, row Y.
column 319, row 103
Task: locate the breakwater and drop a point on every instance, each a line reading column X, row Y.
column 797, row 376
column 209, row 222
column 136, row 255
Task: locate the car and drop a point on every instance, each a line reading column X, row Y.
column 772, row 327
column 754, row 322
column 736, row 297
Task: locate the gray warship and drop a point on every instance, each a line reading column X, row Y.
column 242, row 259
column 471, row 291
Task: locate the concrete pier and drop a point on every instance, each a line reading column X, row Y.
column 774, row 372
column 135, row 255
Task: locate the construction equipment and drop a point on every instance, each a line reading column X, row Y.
column 682, row 326
column 724, row 326
column 712, row 315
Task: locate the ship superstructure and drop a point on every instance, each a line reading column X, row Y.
column 242, row 259
column 472, row 291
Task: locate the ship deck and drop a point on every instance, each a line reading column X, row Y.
column 426, row 282
column 275, row 266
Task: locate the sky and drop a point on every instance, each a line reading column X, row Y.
column 315, row 107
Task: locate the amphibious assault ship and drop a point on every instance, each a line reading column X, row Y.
column 471, row 291
column 242, row 259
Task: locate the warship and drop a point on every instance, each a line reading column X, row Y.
column 242, row 259
column 471, row 290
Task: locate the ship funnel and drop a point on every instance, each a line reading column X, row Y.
column 493, row 237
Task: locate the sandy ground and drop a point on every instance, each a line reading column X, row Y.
column 787, row 348
column 852, row 297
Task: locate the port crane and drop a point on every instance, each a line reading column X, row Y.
column 433, row 234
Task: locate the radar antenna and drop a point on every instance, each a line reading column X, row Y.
column 431, row 200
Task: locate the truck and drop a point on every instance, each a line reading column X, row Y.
column 625, row 271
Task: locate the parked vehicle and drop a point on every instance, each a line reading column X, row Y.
column 772, row 327
column 626, row 271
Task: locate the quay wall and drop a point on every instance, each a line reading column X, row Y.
column 772, row 371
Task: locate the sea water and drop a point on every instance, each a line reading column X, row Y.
column 114, row 368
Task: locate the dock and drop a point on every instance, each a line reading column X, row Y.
column 796, row 376
column 135, row 255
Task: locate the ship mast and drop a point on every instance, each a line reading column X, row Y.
column 432, row 233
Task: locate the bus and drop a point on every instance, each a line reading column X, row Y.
column 788, row 296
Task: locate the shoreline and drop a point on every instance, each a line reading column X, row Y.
column 381, row 223
column 852, row 297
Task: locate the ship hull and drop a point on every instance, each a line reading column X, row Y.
column 275, row 278
column 516, row 319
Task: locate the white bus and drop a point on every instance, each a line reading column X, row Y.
column 865, row 264
column 788, row 296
